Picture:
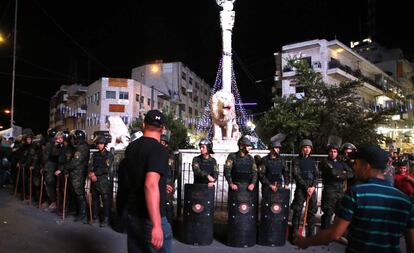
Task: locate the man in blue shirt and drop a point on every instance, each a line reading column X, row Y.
column 375, row 213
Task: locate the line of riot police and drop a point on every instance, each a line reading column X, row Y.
column 55, row 171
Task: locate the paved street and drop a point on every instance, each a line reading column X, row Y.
column 27, row 229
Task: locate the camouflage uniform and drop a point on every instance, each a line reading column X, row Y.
column 203, row 168
column 31, row 157
column 273, row 170
column 100, row 165
column 305, row 173
column 171, row 178
column 51, row 160
column 334, row 175
column 77, row 168
column 240, row 169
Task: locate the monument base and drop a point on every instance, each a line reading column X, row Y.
column 225, row 146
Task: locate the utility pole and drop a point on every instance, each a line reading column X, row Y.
column 14, row 70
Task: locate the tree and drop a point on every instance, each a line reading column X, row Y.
column 178, row 136
column 324, row 110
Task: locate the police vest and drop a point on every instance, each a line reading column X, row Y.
column 307, row 168
column 242, row 168
column 337, row 169
column 274, row 169
column 206, row 165
column 100, row 163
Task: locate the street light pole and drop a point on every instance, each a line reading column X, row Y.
column 14, row 70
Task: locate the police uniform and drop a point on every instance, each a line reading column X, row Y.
column 334, row 175
column 272, row 170
column 31, row 159
column 51, row 160
column 171, row 178
column 100, row 165
column 305, row 174
column 240, row 169
column 203, row 168
column 77, row 168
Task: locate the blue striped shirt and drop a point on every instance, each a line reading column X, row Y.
column 379, row 214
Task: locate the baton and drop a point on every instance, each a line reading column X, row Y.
column 30, row 185
column 41, row 188
column 57, row 193
column 17, row 179
column 64, row 197
column 24, row 184
column 90, row 200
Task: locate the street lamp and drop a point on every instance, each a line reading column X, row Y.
column 7, row 111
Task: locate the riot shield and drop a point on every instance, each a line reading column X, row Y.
column 198, row 214
column 274, row 216
column 242, row 218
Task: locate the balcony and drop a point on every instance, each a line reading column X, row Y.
column 345, row 73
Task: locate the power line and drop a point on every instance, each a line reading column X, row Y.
column 43, row 68
column 34, row 77
column 72, row 39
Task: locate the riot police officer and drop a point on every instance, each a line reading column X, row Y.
column 334, row 175
column 240, row 166
column 99, row 167
column 272, row 169
column 171, row 178
column 30, row 162
column 204, row 166
column 240, row 171
column 77, row 167
column 305, row 174
column 51, row 159
column 346, row 149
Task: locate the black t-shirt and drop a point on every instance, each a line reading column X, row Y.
column 145, row 155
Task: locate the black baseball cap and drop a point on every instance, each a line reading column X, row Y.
column 154, row 118
column 372, row 154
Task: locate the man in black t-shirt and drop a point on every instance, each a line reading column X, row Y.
column 147, row 167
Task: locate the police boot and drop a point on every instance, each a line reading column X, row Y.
column 295, row 224
column 326, row 220
column 81, row 210
column 95, row 206
column 106, row 208
column 310, row 229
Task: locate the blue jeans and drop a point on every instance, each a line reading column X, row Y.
column 139, row 235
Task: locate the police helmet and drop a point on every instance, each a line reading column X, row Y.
column 79, row 135
column 244, row 141
column 333, row 146
column 208, row 143
column 275, row 144
column 27, row 132
column 306, row 142
column 52, row 132
column 66, row 135
column 164, row 137
column 348, row 145
column 100, row 139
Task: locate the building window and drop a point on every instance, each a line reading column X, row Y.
column 184, row 91
column 142, row 99
column 196, row 85
column 98, row 97
column 190, row 80
column 110, row 94
column 183, row 76
column 123, row 95
column 190, row 110
column 149, row 102
column 196, row 113
column 137, row 97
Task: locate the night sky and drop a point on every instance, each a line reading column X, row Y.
column 66, row 42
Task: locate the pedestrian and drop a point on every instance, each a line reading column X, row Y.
column 148, row 229
column 375, row 214
column 404, row 181
column 305, row 174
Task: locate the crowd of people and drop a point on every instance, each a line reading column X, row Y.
column 367, row 193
